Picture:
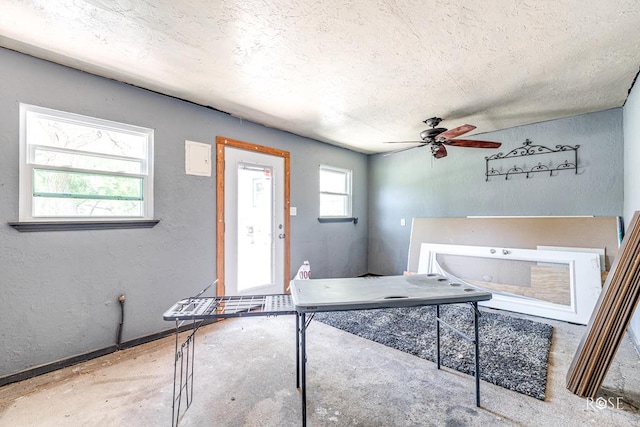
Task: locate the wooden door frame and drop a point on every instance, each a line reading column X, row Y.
column 221, row 143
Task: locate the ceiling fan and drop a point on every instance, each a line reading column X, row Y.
column 437, row 138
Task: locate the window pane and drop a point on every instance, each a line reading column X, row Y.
column 78, row 166
column 333, row 181
column 334, row 205
column 81, row 161
column 63, row 184
column 63, row 207
column 84, row 137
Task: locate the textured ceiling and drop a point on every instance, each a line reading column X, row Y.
column 350, row 73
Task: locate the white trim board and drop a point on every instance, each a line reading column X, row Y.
column 585, row 279
column 599, row 251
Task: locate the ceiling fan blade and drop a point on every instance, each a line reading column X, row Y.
column 440, row 152
column 452, row 133
column 403, row 142
column 472, row 143
column 402, row 149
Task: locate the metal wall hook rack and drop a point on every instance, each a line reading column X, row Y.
column 529, row 149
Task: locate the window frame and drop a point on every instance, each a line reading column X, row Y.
column 27, row 168
column 349, row 191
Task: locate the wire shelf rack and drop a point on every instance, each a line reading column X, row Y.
column 194, row 311
column 203, row 308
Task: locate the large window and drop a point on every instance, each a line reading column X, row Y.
column 74, row 167
column 335, row 192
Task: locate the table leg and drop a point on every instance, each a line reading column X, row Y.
column 297, row 351
column 303, row 371
column 477, row 351
column 438, row 335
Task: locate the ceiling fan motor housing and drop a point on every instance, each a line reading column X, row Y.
column 429, row 134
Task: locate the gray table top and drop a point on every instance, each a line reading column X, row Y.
column 363, row 293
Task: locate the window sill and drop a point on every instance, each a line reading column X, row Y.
column 338, row 219
column 28, row 226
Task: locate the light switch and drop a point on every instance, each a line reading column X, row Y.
column 197, row 158
column 402, row 222
column 293, row 211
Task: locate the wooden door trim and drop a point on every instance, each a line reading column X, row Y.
column 221, row 143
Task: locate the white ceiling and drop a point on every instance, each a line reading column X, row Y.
column 353, row 73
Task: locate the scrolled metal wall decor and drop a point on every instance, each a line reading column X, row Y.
column 529, row 149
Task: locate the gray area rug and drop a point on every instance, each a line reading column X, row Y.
column 513, row 352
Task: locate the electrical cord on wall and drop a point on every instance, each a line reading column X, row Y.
column 121, row 300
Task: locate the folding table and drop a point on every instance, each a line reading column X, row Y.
column 375, row 292
column 321, row 295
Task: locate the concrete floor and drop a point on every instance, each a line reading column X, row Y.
column 245, row 376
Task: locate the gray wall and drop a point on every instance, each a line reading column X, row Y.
column 632, row 176
column 410, row 184
column 60, row 289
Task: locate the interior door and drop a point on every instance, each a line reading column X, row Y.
column 254, row 222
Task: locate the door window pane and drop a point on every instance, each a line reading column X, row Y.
column 255, row 222
column 548, row 282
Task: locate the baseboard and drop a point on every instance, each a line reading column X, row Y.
column 64, row 363
column 54, row 366
column 148, row 338
column 370, row 275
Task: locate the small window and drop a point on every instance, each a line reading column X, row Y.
column 75, row 167
column 335, row 192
